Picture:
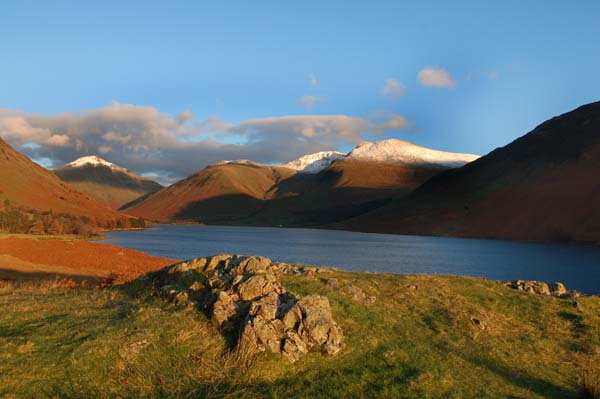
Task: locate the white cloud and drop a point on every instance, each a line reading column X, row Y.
column 184, row 116
column 151, row 142
column 396, row 122
column 309, row 101
column 312, row 80
column 392, row 89
column 435, row 77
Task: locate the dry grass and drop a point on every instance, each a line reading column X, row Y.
column 416, row 341
column 589, row 378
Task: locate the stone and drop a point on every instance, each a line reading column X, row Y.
column 258, row 285
column 216, row 261
column 333, row 283
column 223, row 309
column 558, row 289
column 242, row 293
column 541, row 288
column 284, row 268
column 265, row 307
column 253, row 264
column 318, row 322
column 536, row 287
column 293, row 347
column 262, row 334
column 479, row 323
column 358, row 294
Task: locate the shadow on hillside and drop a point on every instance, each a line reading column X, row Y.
column 515, row 376
column 39, row 276
column 296, row 209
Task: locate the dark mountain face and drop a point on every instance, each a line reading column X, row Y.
column 107, row 185
column 543, row 186
column 264, row 195
column 105, row 175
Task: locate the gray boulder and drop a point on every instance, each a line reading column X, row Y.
column 243, row 296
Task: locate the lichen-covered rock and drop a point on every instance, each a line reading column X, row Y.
column 358, row 294
column 558, row 289
column 318, row 324
column 224, row 308
column 333, row 283
column 242, row 295
column 542, row 288
column 258, row 285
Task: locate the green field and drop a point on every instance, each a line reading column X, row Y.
column 418, row 340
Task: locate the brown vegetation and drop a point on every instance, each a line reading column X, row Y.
column 27, row 190
column 24, row 259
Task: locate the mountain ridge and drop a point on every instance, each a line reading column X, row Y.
column 106, row 182
column 28, row 188
column 543, row 186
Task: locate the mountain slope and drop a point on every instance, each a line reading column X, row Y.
column 222, row 192
column 346, row 188
column 105, row 182
column 247, row 193
column 26, row 185
column 314, row 163
column 543, row 186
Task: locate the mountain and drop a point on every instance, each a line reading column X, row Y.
column 408, row 154
column 247, row 193
column 26, row 186
column 314, row 163
column 106, row 182
column 218, row 193
column 543, row 186
column 344, row 189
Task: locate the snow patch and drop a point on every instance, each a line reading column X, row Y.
column 405, row 153
column 238, row 162
column 314, row 163
column 94, row 161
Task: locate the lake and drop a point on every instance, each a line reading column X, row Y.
column 576, row 266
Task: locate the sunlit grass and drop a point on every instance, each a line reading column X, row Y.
column 417, row 340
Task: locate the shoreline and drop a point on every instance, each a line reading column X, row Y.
column 30, row 262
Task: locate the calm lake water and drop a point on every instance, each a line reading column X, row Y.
column 576, row 266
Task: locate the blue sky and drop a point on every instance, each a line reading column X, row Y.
column 514, row 64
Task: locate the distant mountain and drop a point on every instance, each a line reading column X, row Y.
column 404, row 153
column 314, row 163
column 244, row 192
column 238, row 161
column 218, row 193
column 344, row 189
column 543, row 186
column 24, row 185
column 106, row 182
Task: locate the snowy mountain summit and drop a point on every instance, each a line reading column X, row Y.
column 237, row 162
column 94, row 161
column 314, row 163
column 405, row 153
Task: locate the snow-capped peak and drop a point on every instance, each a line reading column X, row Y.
column 405, row 153
column 94, row 161
column 314, row 163
column 238, row 162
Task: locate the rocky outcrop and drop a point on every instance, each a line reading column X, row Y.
column 542, row 288
column 244, row 298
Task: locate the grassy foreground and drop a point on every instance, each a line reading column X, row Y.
column 418, row 340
